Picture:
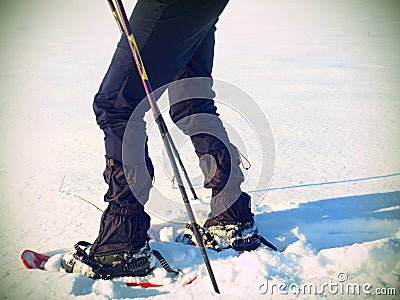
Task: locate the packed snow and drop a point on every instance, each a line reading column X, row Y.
column 326, row 76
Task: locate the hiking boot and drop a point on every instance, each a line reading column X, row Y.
column 135, row 263
column 240, row 237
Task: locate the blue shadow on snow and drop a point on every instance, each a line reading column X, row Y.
column 336, row 222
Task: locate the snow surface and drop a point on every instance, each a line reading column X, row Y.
column 326, row 74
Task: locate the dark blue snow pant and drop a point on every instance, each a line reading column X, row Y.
column 176, row 41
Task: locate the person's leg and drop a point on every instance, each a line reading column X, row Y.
column 124, row 223
column 198, row 118
column 168, row 34
column 230, row 222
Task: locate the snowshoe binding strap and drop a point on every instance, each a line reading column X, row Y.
column 208, row 237
column 164, row 263
column 79, row 255
column 265, row 242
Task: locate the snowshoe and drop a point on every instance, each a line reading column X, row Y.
column 240, row 237
column 138, row 263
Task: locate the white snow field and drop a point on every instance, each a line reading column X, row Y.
column 326, row 74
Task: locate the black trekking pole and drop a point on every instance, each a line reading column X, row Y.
column 123, row 23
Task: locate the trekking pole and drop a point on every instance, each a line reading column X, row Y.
column 116, row 16
column 123, row 20
column 174, row 150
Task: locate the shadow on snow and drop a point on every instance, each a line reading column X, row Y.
column 335, row 222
